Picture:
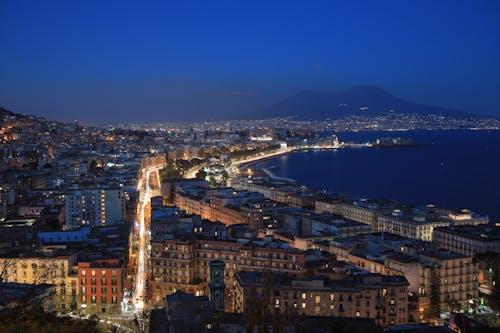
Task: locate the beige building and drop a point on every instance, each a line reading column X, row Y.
column 452, row 276
column 381, row 298
column 183, row 264
column 468, row 239
column 59, row 271
column 365, row 211
column 420, row 223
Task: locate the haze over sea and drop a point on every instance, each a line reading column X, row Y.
column 460, row 169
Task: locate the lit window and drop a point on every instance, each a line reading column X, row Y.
column 303, row 295
column 303, row 305
column 318, row 299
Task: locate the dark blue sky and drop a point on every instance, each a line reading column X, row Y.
column 111, row 61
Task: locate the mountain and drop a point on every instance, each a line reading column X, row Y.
column 357, row 101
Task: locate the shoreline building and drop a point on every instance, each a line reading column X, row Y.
column 468, row 239
column 418, row 223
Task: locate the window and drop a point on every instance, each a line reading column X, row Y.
column 317, row 299
column 303, row 305
column 332, row 297
column 93, row 298
column 303, row 295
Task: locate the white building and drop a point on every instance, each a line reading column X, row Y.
column 93, row 206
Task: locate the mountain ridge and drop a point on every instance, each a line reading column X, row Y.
column 359, row 100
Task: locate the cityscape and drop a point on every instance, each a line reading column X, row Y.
column 353, row 211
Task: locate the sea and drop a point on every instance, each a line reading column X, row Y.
column 452, row 169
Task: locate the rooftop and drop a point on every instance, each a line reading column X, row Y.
column 483, row 232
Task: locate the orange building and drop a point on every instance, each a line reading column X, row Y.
column 100, row 286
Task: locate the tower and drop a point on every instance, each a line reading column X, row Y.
column 216, row 284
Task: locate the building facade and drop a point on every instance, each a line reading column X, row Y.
column 468, row 239
column 448, row 277
column 184, row 264
column 100, row 286
column 93, row 206
column 420, row 224
column 58, row 271
column 381, row 298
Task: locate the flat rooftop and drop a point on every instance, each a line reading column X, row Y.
column 482, row 232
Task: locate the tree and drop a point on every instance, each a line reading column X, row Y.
column 489, row 263
column 213, row 181
column 22, row 319
column 201, row 174
column 434, row 308
column 171, row 194
column 169, row 171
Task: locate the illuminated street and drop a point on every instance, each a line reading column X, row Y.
column 146, row 190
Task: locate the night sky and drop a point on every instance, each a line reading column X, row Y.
column 117, row 61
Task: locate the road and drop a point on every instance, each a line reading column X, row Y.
column 146, row 191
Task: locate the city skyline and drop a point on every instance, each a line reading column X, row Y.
column 283, row 166
column 101, row 62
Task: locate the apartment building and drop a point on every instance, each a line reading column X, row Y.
column 381, row 298
column 183, row 263
column 468, row 239
column 97, row 206
column 100, row 286
column 418, row 223
column 59, row 271
column 452, row 276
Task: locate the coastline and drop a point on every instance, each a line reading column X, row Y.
column 246, row 164
column 242, row 165
column 444, row 178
